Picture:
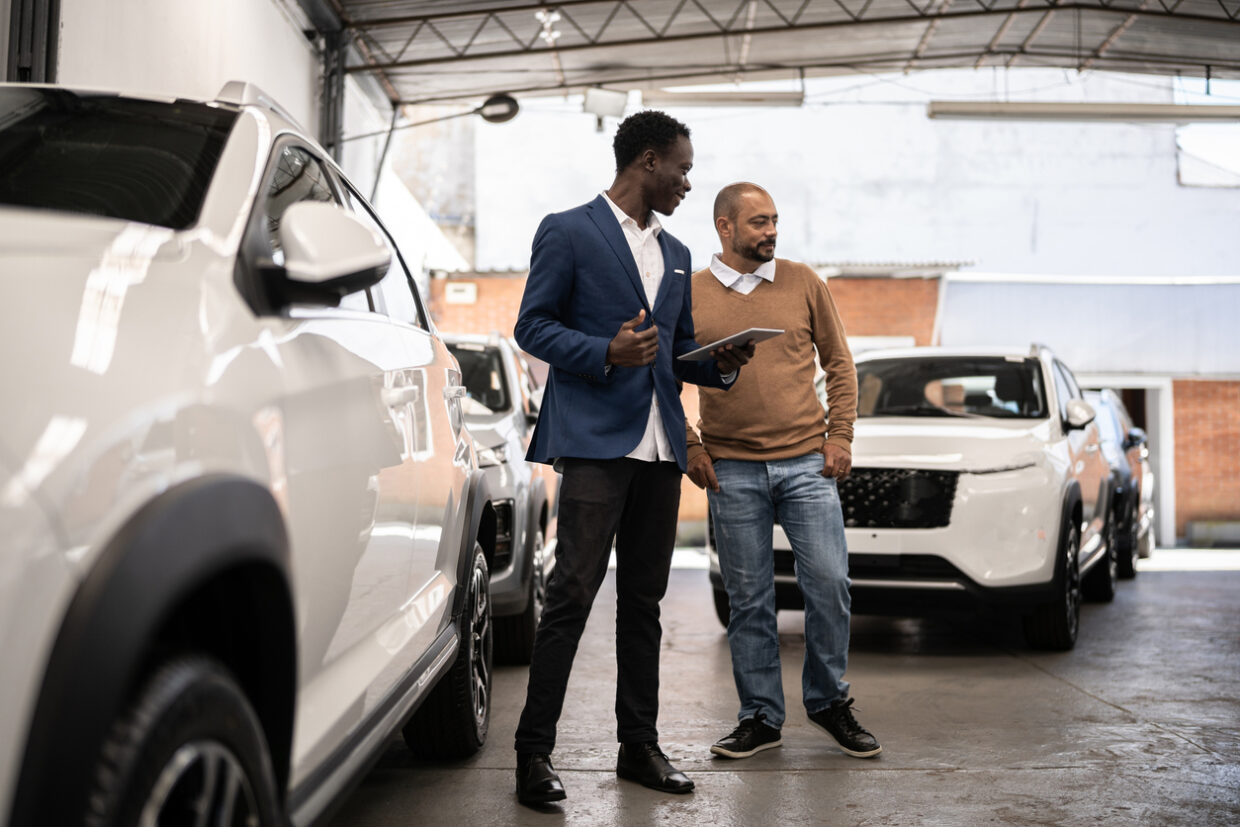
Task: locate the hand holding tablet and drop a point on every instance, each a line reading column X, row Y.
column 755, row 334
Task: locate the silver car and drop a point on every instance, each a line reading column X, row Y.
column 500, row 409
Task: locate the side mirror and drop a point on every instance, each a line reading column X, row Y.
column 1080, row 413
column 330, row 253
column 1135, row 437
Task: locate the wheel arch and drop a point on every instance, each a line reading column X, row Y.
column 479, row 527
column 172, row 571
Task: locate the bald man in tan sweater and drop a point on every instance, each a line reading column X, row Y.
column 767, row 453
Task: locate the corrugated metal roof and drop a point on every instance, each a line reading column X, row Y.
column 434, row 50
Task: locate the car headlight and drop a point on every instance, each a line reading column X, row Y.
column 492, row 456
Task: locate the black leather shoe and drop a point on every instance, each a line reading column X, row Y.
column 646, row 764
column 537, row 782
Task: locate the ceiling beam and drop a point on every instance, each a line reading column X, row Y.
column 1102, row 11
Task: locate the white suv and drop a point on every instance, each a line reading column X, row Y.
column 244, row 533
column 977, row 479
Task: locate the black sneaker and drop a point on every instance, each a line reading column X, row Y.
column 751, row 736
column 837, row 721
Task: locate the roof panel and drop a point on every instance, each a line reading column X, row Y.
column 445, row 49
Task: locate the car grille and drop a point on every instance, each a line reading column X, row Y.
column 885, row 566
column 897, row 498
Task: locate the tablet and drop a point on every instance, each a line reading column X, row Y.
column 755, row 333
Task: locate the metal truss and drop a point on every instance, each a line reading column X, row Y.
column 488, row 34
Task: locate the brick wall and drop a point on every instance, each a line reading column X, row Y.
column 887, row 306
column 498, row 300
column 1207, row 448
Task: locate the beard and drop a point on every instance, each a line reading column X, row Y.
column 762, row 251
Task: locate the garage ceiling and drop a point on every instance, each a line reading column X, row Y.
column 437, row 50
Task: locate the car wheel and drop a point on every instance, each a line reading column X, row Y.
column 1129, row 546
column 453, row 721
column 190, row 750
column 1054, row 625
column 1145, row 546
column 1099, row 584
column 514, row 636
column 723, row 610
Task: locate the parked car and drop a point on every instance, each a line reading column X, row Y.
column 245, row 538
column 977, row 480
column 500, row 409
column 1126, row 449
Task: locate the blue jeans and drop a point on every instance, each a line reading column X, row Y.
column 751, row 496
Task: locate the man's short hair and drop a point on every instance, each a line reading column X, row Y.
column 649, row 129
column 727, row 202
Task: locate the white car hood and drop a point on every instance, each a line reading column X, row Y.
column 955, row 444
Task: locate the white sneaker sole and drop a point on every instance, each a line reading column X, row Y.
column 727, row 753
column 854, row 753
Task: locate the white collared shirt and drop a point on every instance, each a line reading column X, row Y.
column 648, row 256
column 743, row 283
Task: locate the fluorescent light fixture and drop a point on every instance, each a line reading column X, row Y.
column 659, row 97
column 605, row 102
column 1068, row 111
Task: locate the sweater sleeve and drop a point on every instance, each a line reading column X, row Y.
column 836, row 359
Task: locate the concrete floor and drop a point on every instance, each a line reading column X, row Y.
column 1140, row 724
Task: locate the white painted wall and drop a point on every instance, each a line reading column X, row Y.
column 861, row 174
column 190, row 49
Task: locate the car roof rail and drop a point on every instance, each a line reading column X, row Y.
column 1036, row 347
column 244, row 93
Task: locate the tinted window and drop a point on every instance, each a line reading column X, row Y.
column 102, row 155
column 951, row 386
column 482, row 373
column 298, row 176
column 1063, row 390
column 395, row 294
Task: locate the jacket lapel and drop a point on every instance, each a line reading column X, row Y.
column 668, row 275
column 605, row 220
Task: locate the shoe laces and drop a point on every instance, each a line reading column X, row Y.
column 748, row 724
column 843, row 713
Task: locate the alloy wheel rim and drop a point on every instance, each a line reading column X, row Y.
column 480, row 645
column 202, row 783
column 1072, row 573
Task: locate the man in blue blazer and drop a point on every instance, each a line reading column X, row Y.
column 607, row 306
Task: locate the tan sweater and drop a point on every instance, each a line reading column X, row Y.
column 772, row 411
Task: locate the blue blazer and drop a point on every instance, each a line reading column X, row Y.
column 583, row 285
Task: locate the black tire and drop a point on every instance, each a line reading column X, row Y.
column 1054, row 625
column 453, row 721
column 514, row 635
column 1127, row 548
column 1100, row 582
column 723, row 610
column 190, row 740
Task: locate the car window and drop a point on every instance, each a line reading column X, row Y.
column 395, row 295
column 482, row 373
column 299, row 176
column 1063, row 390
column 992, row 386
column 146, row 161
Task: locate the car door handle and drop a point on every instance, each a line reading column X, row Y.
column 454, row 392
column 403, row 395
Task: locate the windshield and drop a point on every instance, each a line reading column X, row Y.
column 482, row 372
column 968, row 386
column 103, row 155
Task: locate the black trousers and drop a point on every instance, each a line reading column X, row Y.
column 635, row 503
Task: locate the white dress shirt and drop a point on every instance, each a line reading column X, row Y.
column 648, row 256
column 743, row 283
